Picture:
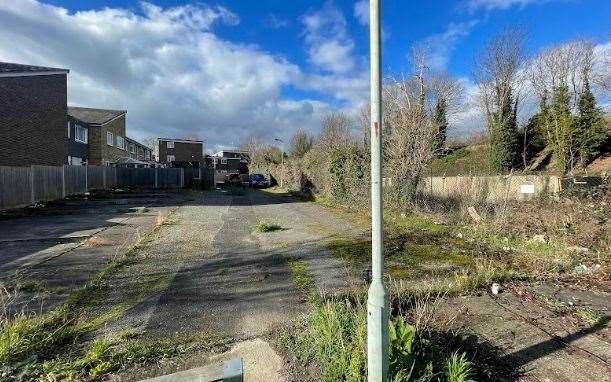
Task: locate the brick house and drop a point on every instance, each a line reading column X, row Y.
column 180, row 152
column 33, row 102
column 228, row 163
column 140, row 155
column 107, row 144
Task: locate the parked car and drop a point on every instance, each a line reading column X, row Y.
column 258, row 180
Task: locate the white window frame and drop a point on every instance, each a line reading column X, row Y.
column 132, row 148
column 223, row 160
column 122, row 144
column 171, row 158
column 147, row 155
column 76, row 135
column 110, row 138
column 170, row 145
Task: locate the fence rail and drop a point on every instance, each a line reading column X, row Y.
column 23, row 186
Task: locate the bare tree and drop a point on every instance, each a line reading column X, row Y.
column 301, row 142
column 498, row 78
column 335, row 132
column 409, row 131
column 568, row 65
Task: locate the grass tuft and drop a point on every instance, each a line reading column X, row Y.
column 458, row 369
column 301, row 276
column 263, row 226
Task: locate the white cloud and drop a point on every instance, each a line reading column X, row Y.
column 329, row 46
column 170, row 71
column 440, row 46
column 489, row 5
column 361, row 11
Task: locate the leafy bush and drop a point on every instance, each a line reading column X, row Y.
column 335, row 339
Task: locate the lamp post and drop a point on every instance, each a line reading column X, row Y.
column 282, row 160
column 377, row 309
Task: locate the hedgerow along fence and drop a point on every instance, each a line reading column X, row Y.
column 23, row 186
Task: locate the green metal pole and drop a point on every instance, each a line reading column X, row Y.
column 377, row 311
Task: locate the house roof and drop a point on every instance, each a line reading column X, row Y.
column 9, row 69
column 94, row 116
column 137, row 143
column 180, row 140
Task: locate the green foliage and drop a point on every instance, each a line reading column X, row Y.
column 334, row 337
column 473, row 160
column 591, row 126
column 401, row 337
column 441, row 122
column 503, row 132
column 349, row 175
column 458, row 369
column 301, row 276
column 104, row 356
column 562, row 128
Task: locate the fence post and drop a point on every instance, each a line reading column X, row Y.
column 103, row 178
column 86, row 179
column 63, row 181
column 32, row 193
column 182, row 178
column 156, row 177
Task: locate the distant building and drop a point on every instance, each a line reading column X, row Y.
column 33, row 122
column 106, row 134
column 228, row 163
column 180, row 152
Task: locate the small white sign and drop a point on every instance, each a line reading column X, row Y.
column 527, row 188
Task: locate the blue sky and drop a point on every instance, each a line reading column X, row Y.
column 304, row 57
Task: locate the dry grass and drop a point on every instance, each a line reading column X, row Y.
column 161, row 219
column 95, row 241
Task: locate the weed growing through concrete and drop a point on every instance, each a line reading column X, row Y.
column 103, row 356
column 26, row 342
column 301, row 276
column 263, row 226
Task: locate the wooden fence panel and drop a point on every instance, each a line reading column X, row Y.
column 75, row 178
column 15, row 187
column 48, row 183
column 95, row 178
column 168, row 177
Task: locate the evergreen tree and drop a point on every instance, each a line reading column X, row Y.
column 591, row 127
column 504, row 143
column 561, row 128
column 441, row 122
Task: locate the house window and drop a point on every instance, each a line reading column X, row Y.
column 224, row 161
column 147, row 155
column 132, row 148
column 110, row 139
column 170, row 145
column 120, row 142
column 80, row 134
column 171, row 158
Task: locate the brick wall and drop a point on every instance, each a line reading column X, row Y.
column 99, row 151
column 33, row 120
column 182, row 151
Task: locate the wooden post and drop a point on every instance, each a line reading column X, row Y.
column 32, row 193
column 63, row 181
